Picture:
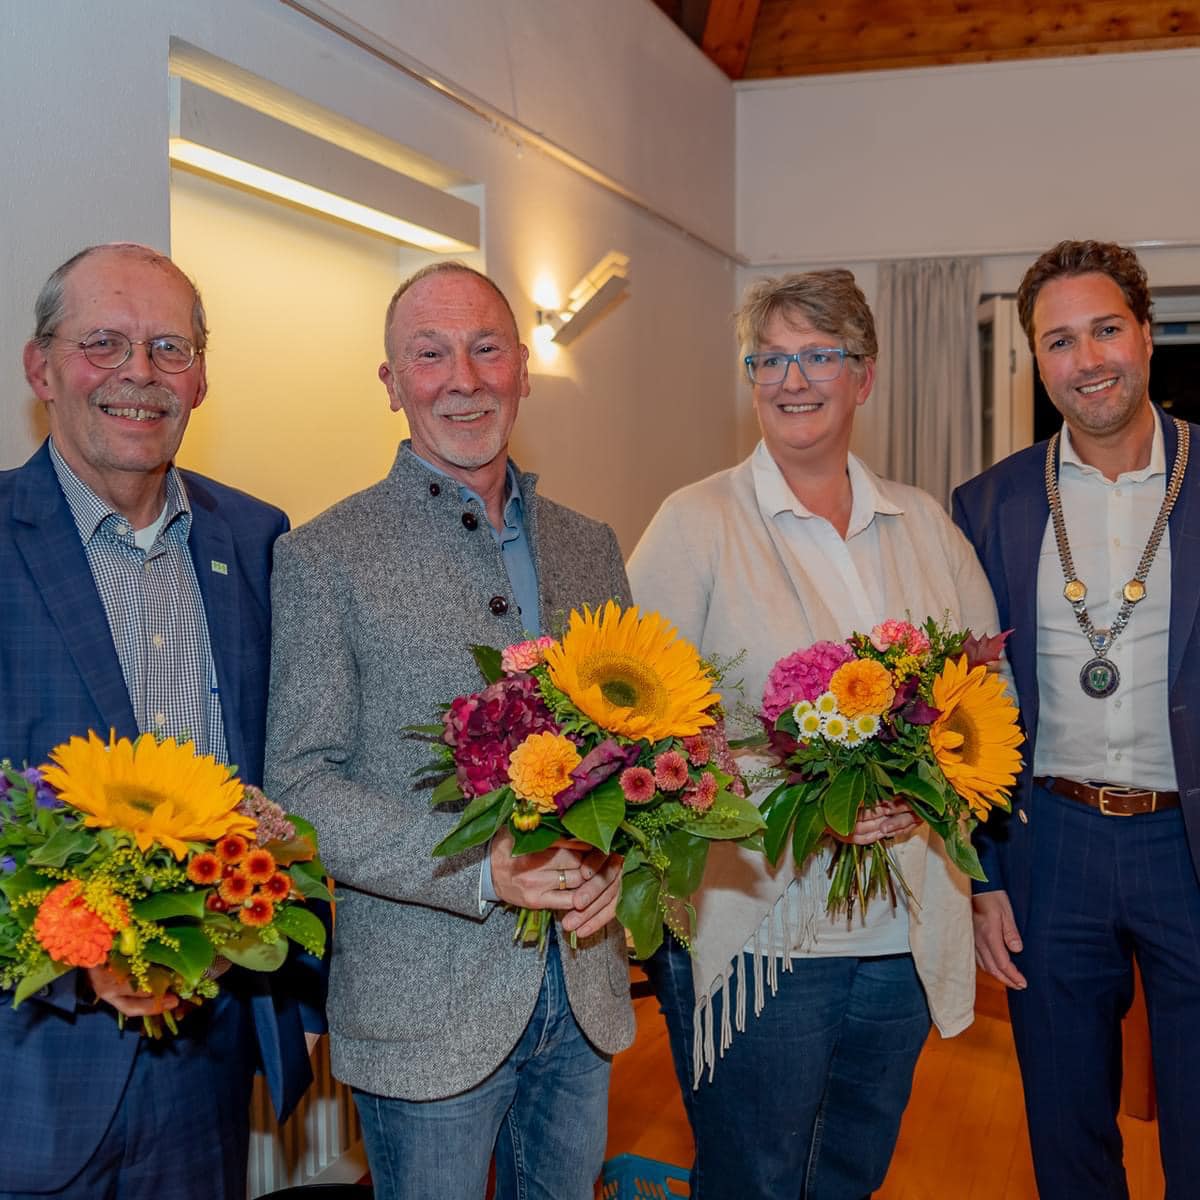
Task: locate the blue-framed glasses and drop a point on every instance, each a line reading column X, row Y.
column 818, row 364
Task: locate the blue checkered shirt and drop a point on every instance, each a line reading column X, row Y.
column 155, row 612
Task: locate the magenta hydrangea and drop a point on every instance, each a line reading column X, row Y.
column 803, row 675
column 484, row 728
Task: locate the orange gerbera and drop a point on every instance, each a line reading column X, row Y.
column 204, row 868
column 235, row 887
column 69, row 930
column 862, row 685
column 278, row 887
column 259, row 865
column 232, row 849
column 257, row 911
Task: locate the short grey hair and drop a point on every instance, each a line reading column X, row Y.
column 50, row 306
column 439, row 268
column 830, row 300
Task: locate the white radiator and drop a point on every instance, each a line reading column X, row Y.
column 320, row 1142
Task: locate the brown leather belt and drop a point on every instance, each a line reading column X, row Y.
column 1111, row 800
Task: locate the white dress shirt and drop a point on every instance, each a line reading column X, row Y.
column 1124, row 738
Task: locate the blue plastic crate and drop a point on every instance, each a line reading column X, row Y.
column 631, row 1177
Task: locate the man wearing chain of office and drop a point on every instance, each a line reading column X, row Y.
column 1090, row 543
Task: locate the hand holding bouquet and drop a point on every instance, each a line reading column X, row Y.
column 610, row 737
column 152, row 861
column 902, row 713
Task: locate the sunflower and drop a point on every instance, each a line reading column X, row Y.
column 975, row 737
column 158, row 792
column 632, row 674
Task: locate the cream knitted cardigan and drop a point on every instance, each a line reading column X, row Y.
column 714, row 562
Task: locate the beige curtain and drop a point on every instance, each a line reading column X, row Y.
column 927, row 403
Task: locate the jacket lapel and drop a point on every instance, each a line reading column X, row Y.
column 213, row 555
column 1185, row 541
column 48, row 540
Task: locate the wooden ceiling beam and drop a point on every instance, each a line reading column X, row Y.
column 727, row 34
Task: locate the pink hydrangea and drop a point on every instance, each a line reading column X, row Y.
column 902, row 634
column 637, row 784
column 702, row 794
column 484, row 728
column 670, row 771
column 524, row 656
column 803, row 675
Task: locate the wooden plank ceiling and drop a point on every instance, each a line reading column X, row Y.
column 767, row 39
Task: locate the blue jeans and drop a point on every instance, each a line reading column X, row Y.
column 806, row 1103
column 1106, row 890
column 544, row 1111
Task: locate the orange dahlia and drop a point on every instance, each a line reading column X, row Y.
column 540, row 767
column 257, row 911
column 69, row 930
column 862, row 686
column 259, row 865
column 235, row 887
column 204, row 868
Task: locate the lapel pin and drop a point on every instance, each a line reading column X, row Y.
column 219, row 567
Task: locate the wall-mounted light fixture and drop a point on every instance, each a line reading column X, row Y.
column 595, row 293
column 218, row 136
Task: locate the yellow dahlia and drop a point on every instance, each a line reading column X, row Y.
column 975, row 739
column 862, row 685
column 540, row 767
column 632, row 674
column 156, row 791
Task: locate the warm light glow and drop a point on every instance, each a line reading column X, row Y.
column 544, row 345
column 546, row 293
column 259, row 179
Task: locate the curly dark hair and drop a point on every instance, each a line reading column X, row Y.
column 1119, row 263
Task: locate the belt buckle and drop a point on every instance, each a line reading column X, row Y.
column 1125, row 793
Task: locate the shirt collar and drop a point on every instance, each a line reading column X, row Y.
column 775, row 497
column 514, row 503
column 90, row 512
column 1067, row 457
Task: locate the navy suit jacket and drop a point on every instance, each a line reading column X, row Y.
column 1003, row 512
column 65, row 1065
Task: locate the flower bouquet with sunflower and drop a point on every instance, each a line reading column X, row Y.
column 612, row 736
column 903, row 712
column 154, row 861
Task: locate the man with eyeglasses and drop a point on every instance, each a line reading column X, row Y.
column 135, row 597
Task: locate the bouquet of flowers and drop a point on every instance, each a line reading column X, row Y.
column 902, row 712
column 152, row 860
column 611, row 736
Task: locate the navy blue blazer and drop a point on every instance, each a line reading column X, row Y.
column 1003, row 513
column 65, row 1065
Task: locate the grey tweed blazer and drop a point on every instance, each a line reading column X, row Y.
column 376, row 602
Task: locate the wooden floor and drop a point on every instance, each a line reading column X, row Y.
column 963, row 1136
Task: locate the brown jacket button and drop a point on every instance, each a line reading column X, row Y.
column 498, row 605
column 470, row 520
column 435, row 489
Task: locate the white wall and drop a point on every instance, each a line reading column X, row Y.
column 999, row 160
column 639, row 405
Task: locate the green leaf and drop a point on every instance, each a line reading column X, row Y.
column 530, row 841
column 638, row 911
column 487, row 659
column 842, row 800
column 911, row 783
column 46, row 972
column 962, row 854
column 66, row 841
column 780, row 809
column 807, row 831
column 194, row 956
column 301, row 848
column 477, row 823
column 730, row 818
column 303, row 927
column 25, row 880
column 446, row 792
column 309, row 880
column 687, row 855
column 595, row 818
column 250, row 952
column 165, row 905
